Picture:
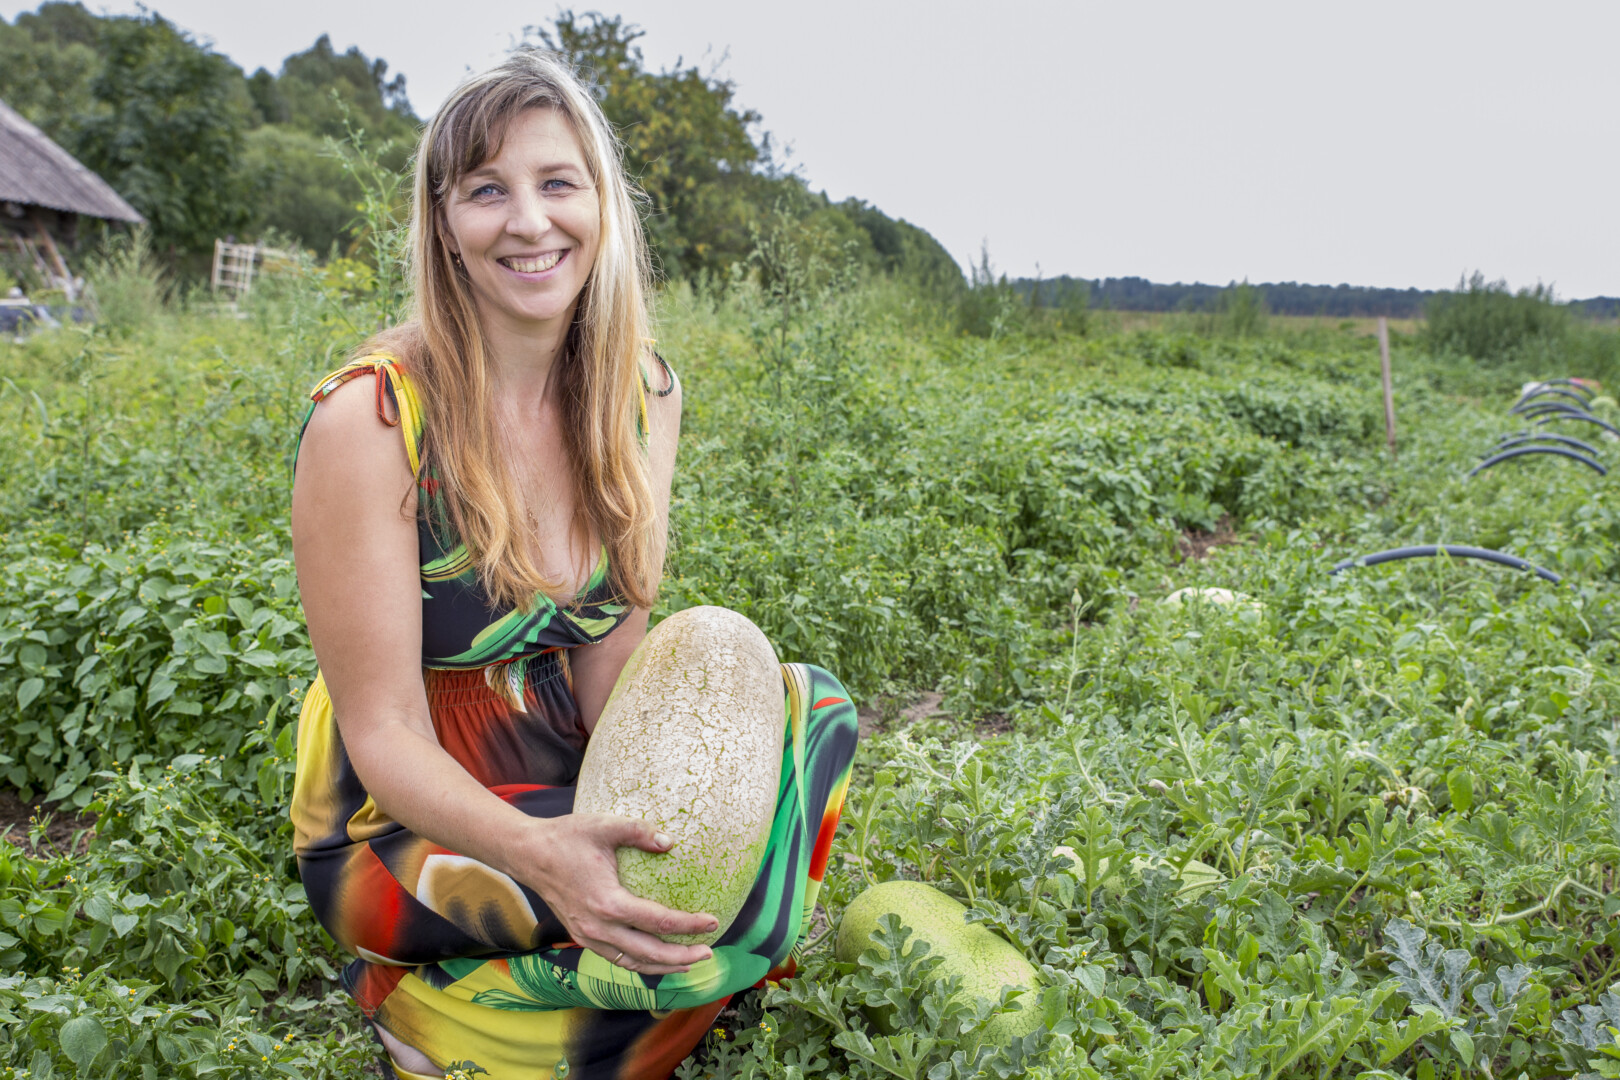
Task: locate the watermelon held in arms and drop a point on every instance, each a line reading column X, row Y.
column 691, row 741
column 985, row 962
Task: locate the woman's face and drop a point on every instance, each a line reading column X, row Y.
column 526, row 224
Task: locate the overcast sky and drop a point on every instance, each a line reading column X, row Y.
column 1374, row 143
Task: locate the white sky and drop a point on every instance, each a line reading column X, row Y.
column 1373, row 142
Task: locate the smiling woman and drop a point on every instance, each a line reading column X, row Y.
column 474, row 589
column 524, row 226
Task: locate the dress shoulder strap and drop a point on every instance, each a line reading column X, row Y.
column 397, row 401
column 643, row 428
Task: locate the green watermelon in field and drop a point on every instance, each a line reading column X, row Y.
column 985, row 962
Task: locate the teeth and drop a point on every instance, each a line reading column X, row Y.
column 534, row 266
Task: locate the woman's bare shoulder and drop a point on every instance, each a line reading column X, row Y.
column 347, row 430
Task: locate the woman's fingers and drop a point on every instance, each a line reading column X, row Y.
column 639, row 926
column 600, row 914
column 646, row 915
column 656, row 919
column 641, row 952
column 646, row 954
column 628, row 832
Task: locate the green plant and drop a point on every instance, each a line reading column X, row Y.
column 128, row 284
column 1485, row 320
column 1365, row 826
column 1244, row 308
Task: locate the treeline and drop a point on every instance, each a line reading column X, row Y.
column 198, row 147
column 1280, row 298
column 204, row 150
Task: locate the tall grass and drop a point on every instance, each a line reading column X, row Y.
column 129, row 285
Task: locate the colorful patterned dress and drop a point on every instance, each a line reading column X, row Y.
column 463, row 962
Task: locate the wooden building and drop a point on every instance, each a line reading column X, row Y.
column 44, row 191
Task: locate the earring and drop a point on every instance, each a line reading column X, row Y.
column 455, row 257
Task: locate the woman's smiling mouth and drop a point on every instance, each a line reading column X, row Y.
column 537, row 264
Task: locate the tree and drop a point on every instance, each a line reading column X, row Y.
column 302, row 191
column 166, row 131
column 322, row 92
column 47, row 62
column 709, row 180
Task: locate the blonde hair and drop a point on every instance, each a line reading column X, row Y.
column 444, row 351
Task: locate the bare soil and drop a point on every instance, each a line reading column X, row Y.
column 884, row 715
column 68, row 832
column 1201, row 545
column 989, row 727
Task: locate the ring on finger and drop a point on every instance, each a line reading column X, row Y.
column 616, row 959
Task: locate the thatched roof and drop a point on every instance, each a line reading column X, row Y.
column 34, row 171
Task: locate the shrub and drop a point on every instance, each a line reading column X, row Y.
column 1484, row 320
column 127, row 282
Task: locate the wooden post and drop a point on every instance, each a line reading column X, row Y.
column 62, row 273
column 1389, row 392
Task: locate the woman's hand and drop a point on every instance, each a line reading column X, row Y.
column 576, row 872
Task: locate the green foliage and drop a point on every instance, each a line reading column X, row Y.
column 325, row 94
column 990, row 307
column 166, row 131
column 47, row 62
column 129, row 285
column 168, row 644
column 322, row 98
column 1365, row 826
column 1484, row 320
column 303, row 190
column 1244, row 307
column 162, row 948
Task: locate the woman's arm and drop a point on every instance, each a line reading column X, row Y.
column 355, row 543
column 596, row 667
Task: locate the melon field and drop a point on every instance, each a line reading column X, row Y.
column 1350, row 825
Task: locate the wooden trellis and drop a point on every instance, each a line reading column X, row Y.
column 236, row 264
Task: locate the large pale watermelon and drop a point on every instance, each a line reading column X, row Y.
column 691, row 741
column 986, row 962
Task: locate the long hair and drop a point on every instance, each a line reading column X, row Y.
column 444, row 350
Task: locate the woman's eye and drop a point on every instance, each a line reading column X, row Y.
column 555, row 184
column 484, row 191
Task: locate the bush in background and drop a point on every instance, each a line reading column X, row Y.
column 128, row 285
column 1488, row 322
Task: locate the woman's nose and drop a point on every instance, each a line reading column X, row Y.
column 528, row 217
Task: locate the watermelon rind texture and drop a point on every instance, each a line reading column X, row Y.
column 691, row 741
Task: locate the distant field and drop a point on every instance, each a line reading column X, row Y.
column 1128, row 321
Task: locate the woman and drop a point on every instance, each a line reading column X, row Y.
column 479, row 514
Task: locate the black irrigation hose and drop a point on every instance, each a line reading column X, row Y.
column 1542, row 408
column 1507, row 455
column 1500, row 558
column 1588, row 417
column 1548, row 383
column 1517, row 437
column 1525, row 401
